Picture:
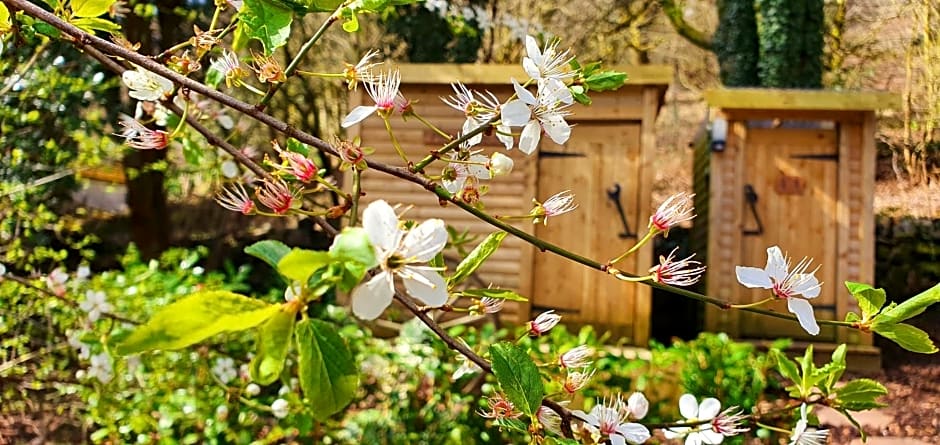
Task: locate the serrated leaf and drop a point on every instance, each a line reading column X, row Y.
column 836, row 366
column 269, row 251
column 785, row 366
column 477, row 257
column 502, row 294
column 912, row 307
column 90, row 8
column 267, row 22
column 860, row 394
column 852, row 317
column 272, row 346
column 299, row 264
column 195, row 318
column 605, row 80
column 907, row 336
column 517, row 376
column 327, row 371
column 353, row 244
column 92, row 24
column 870, row 300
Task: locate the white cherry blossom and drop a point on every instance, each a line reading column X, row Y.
column 697, row 412
column 145, row 85
column 95, row 304
column 803, row 434
column 383, row 89
column 608, row 421
column 546, row 112
column 796, row 286
column 399, row 252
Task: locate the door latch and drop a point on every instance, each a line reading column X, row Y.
column 613, row 194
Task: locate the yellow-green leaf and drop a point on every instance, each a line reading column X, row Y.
column 476, row 257
column 90, row 8
column 300, row 263
column 5, row 23
column 266, row 21
column 273, row 344
column 92, row 24
column 195, row 318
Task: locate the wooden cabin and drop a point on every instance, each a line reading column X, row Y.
column 797, row 170
column 610, row 148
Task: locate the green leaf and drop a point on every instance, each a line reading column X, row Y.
column 266, row 21
column 836, row 366
column 269, row 251
column 352, row 244
column 351, row 23
column 327, row 370
column 90, row 8
column 870, row 300
column 860, row 394
column 605, row 80
column 307, row 6
column 92, row 24
column 476, row 257
column 5, row 23
column 858, row 426
column 517, row 376
column 502, row 294
column 195, row 318
column 852, row 317
column 907, row 336
column 47, row 30
column 911, row 307
column 272, row 346
column 786, row 366
column 299, row 264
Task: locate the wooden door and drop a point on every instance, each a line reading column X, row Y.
column 598, row 156
column 794, row 175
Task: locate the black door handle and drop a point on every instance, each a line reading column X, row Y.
column 613, row 194
column 751, row 197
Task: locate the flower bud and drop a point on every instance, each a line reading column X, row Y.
column 500, row 164
column 252, row 389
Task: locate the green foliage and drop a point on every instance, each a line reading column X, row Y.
column 272, row 344
column 517, row 376
column 431, row 38
column 886, row 320
column 736, row 44
column 195, row 318
column 476, row 258
column 790, row 33
column 327, row 371
column 267, row 22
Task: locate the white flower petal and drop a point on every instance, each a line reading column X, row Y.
column 753, row 277
column 556, row 127
column 638, row 405
column 634, row 432
column 709, row 408
column 469, row 125
column 357, row 115
column 807, row 285
column 711, row 437
column 515, row 113
column 524, row 94
column 529, row 140
column 616, row 439
column 530, row 68
column 428, row 287
column 776, row 264
column 381, row 225
column 478, row 168
column 557, row 89
column 422, row 243
column 688, row 406
column 370, row 299
column 804, row 312
column 504, row 136
column 532, row 50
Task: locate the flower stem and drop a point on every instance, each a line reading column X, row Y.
column 179, row 126
column 391, row 135
column 742, row 306
column 356, row 191
column 649, row 235
column 419, row 167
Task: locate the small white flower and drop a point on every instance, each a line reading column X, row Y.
column 456, row 173
column 695, row 412
column 549, row 67
column 796, row 286
column 578, row 357
column 362, row 71
column 577, row 380
column 548, row 109
column 81, row 273
column 803, row 434
column 383, row 90
column 252, row 389
column 674, row 210
column 100, row 368
column 478, row 108
column 398, row 252
column 543, row 323
column 677, row 272
column 609, row 422
column 145, row 85
column 3, row 269
column 221, row 412
column 280, row 408
column 56, row 281
column 224, row 369
column 558, row 204
column 138, row 136
column 96, row 303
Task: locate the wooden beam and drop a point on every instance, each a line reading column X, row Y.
column 444, row 73
column 777, row 99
